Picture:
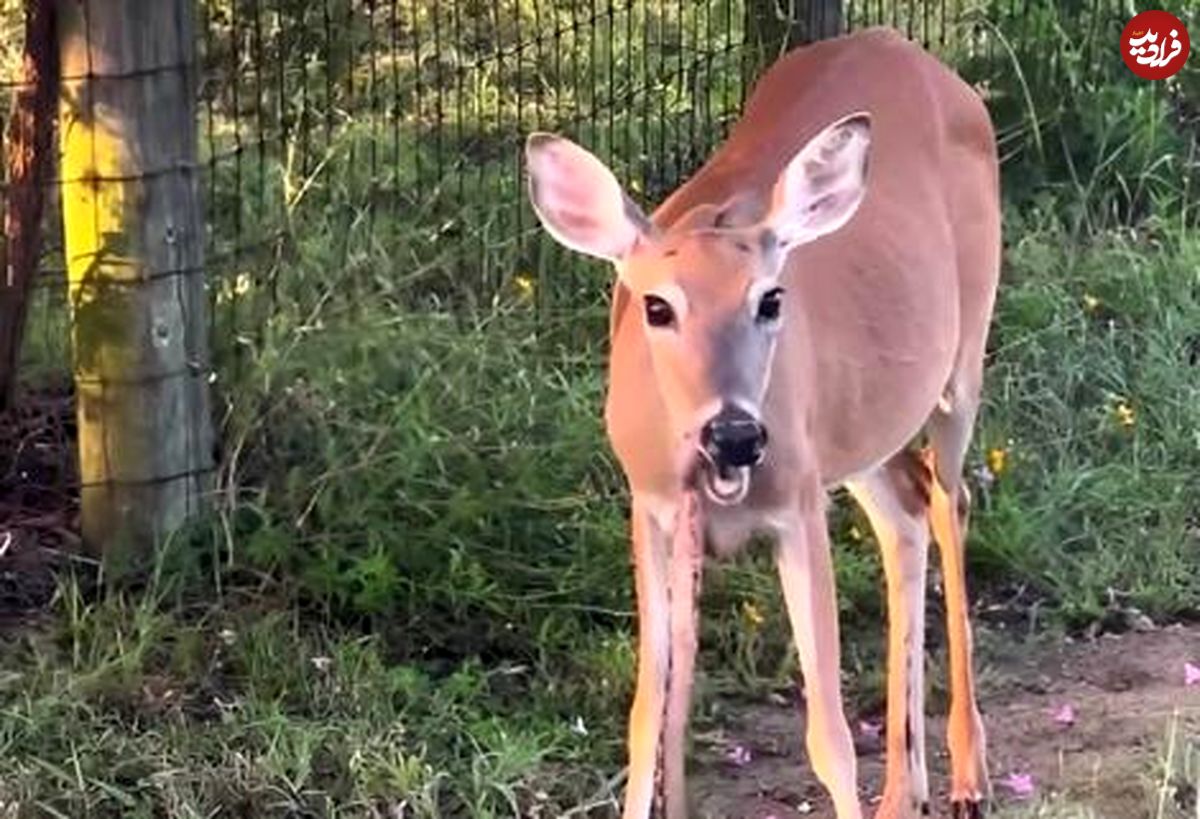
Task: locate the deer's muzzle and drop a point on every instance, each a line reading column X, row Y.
column 732, row 443
column 733, row 438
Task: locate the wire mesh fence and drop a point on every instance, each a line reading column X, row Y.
column 402, row 123
column 390, row 130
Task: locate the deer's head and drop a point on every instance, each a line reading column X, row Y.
column 708, row 287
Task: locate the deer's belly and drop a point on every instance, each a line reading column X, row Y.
column 869, row 415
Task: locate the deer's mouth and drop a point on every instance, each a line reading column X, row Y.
column 725, row 485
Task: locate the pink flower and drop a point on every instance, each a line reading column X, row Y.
column 1021, row 785
column 738, row 755
column 869, row 728
column 1065, row 715
column 1191, row 674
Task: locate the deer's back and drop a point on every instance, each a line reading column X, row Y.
column 873, row 310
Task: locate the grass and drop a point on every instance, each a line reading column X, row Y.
column 1092, row 396
column 127, row 709
column 142, row 707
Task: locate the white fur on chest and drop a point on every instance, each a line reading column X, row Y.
column 729, row 528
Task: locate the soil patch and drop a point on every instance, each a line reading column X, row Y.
column 1125, row 691
column 39, row 501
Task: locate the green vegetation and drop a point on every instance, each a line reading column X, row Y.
column 414, row 597
column 140, row 709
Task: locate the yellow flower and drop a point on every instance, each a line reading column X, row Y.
column 855, row 534
column 1125, row 414
column 752, row 614
column 1090, row 302
column 997, row 460
column 525, row 285
column 239, row 286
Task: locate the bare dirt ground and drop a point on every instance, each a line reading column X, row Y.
column 1125, row 691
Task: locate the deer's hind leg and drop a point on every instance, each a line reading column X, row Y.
column 949, row 431
column 895, row 497
column 974, row 212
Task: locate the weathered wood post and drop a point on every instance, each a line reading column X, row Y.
column 134, row 239
column 774, row 26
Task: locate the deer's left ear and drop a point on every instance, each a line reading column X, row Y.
column 823, row 184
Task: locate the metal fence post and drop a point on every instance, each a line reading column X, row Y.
column 134, row 240
column 774, row 26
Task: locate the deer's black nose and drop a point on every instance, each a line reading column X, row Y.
column 734, row 438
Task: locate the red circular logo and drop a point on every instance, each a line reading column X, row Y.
column 1155, row 45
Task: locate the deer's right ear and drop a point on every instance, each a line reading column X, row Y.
column 579, row 201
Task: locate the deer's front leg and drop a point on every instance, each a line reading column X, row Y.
column 683, row 587
column 894, row 498
column 668, row 554
column 806, row 573
column 650, row 547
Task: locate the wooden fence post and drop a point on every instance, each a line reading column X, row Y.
column 134, row 240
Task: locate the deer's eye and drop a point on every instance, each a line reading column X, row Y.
column 770, row 305
column 659, row 312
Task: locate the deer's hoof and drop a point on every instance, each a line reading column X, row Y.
column 966, row 809
column 907, row 808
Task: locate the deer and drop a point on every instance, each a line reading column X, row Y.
column 808, row 311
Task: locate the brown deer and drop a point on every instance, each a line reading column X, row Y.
column 790, row 320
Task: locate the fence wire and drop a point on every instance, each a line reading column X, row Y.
column 389, row 132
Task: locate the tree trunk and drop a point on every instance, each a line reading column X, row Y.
column 28, row 161
column 134, row 235
column 774, row 26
